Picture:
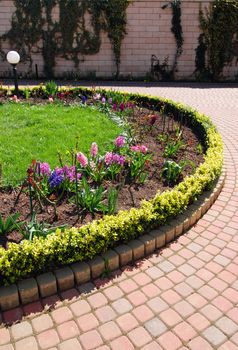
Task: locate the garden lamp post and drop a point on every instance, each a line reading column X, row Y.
column 13, row 58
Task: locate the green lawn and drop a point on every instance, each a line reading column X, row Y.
column 40, row 131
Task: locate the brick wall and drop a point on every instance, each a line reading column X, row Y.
column 149, row 33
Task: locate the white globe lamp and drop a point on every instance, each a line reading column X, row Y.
column 13, row 58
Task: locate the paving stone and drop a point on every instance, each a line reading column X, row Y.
column 109, row 331
column 122, row 343
column 169, row 341
column 105, row 314
column 42, row 323
column 61, row 315
column 139, row 337
column 155, row 327
column 227, row 326
column 87, row 322
column 26, row 344
column 122, row 306
column 9, row 297
column 185, row 332
column 199, row 343
column 81, row 272
column 113, row 293
column 91, row 340
column 65, row 278
column 127, row 322
column 80, row 307
column 214, row 336
column 71, row 344
column 68, row 330
column 152, row 346
column 143, row 313
column 21, row 330
column 4, row 336
column 47, row 284
column 6, row 347
column 28, row 290
column 48, row 339
column 97, row 300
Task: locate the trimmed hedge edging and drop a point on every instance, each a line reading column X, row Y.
column 75, row 245
column 51, row 283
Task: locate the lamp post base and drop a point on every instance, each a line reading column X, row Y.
column 15, row 79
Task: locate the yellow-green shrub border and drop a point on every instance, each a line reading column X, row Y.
column 30, row 258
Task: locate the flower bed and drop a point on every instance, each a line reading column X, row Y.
column 78, row 244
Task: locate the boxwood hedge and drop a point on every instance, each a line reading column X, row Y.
column 78, row 244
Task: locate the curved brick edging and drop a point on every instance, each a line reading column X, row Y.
column 48, row 284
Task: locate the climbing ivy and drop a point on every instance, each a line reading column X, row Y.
column 177, row 30
column 219, row 39
column 75, row 33
column 162, row 69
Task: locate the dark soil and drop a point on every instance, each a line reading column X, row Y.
column 129, row 195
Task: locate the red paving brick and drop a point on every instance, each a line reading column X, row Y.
column 183, row 298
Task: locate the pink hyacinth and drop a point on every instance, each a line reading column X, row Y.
column 50, row 99
column 94, row 149
column 110, row 100
column 139, row 148
column 120, row 141
column 45, row 169
column 82, row 159
column 104, row 100
column 143, row 149
column 96, row 96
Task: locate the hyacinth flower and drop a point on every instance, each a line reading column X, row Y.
column 94, row 150
column 139, row 148
column 114, row 163
column 84, row 99
column 138, row 162
column 120, row 141
column 44, row 169
column 122, row 107
column 82, row 159
column 55, row 180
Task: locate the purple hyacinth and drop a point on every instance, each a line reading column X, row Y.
column 114, row 158
column 120, row 141
column 84, row 99
column 55, row 179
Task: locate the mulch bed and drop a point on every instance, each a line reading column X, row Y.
column 129, row 195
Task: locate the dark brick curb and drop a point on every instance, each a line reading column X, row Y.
column 48, row 284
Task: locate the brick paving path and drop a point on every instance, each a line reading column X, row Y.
column 183, row 297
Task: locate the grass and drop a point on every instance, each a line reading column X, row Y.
column 40, row 131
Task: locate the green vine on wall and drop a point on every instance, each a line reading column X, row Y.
column 177, row 30
column 162, row 69
column 75, row 33
column 218, row 42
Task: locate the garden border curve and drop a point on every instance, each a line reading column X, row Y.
column 50, row 283
column 137, row 228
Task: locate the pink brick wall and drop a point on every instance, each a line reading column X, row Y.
column 149, row 33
